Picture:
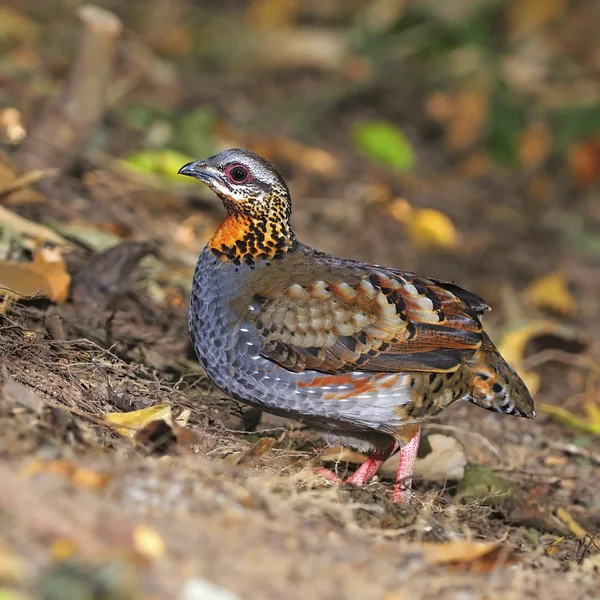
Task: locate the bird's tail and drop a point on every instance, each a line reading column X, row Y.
column 496, row 385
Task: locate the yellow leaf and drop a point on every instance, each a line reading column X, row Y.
column 12, row 568
column 129, row 423
column 551, row 292
column 562, row 415
column 429, row 227
column 513, row 343
column 574, row 527
column 148, row 542
column 62, row 549
column 400, row 209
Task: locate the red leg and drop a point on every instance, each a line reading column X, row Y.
column 364, row 473
column 369, row 467
column 408, row 455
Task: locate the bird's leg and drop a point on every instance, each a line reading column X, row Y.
column 364, row 473
column 411, row 435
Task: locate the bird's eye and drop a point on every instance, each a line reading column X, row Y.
column 238, row 174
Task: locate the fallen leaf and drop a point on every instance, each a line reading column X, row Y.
column 46, row 276
column 385, row 143
column 272, row 14
column 62, row 549
column 562, row 415
column 90, row 479
column 148, row 542
column 400, row 209
column 12, row 129
column 260, row 448
column 574, row 527
column 513, row 343
column 165, row 163
column 551, row 292
column 445, row 460
column 584, row 162
column 128, row 424
column 480, row 557
column 81, row 476
column 309, row 158
column 462, row 114
column 428, row 227
column 553, row 548
column 526, row 15
column 480, row 483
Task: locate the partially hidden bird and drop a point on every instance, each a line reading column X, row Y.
column 359, row 352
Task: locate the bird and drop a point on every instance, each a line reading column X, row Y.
column 361, row 353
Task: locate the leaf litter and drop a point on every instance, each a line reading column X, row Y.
column 208, row 499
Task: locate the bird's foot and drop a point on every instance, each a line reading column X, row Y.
column 406, row 463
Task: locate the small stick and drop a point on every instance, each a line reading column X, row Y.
column 63, row 130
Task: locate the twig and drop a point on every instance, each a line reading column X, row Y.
column 65, row 127
column 26, row 180
column 552, row 354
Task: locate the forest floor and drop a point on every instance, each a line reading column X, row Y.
column 202, row 490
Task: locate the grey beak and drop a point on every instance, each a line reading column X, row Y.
column 189, row 169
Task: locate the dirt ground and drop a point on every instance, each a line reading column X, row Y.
column 217, row 494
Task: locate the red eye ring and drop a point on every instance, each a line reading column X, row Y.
column 237, row 174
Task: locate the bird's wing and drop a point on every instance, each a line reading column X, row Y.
column 385, row 320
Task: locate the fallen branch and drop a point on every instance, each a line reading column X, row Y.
column 64, row 129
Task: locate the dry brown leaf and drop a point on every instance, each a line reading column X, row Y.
column 81, row 476
column 46, row 276
column 309, row 158
column 260, row 448
column 584, row 162
column 475, row 556
column 428, row 227
column 551, row 292
column 462, row 113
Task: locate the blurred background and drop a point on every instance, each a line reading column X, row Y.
column 457, row 138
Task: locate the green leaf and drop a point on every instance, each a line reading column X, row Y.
column 482, row 484
column 165, row 163
column 385, row 143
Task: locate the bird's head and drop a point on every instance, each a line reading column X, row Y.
column 257, row 201
column 246, row 182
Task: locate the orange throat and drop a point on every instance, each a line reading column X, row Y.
column 240, row 239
